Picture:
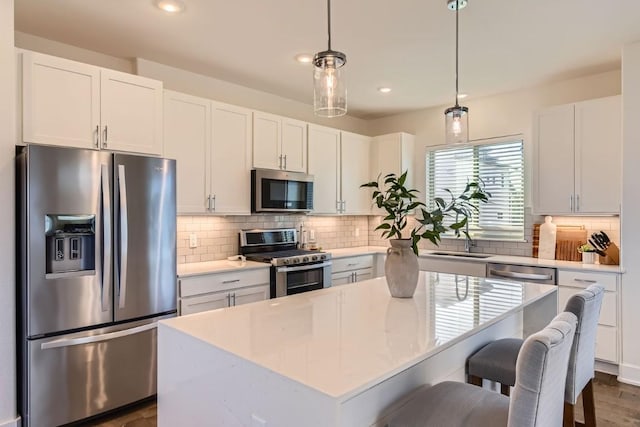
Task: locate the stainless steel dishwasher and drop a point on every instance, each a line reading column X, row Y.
column 527, row 273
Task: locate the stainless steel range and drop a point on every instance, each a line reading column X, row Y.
column 293, row 270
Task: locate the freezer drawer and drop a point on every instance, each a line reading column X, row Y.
column 75, row 376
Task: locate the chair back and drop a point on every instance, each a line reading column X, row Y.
column 586, row 306
column 541, row 370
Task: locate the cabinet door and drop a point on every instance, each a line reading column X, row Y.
column 204, row 303
column 61, row 101
column 131, row 113
column 231, row 159
column 342, row 278
column 554, row 171
column 252, row 294
column 187, row 138
column 294, row 145
column 324, row 146
column 354, row 165
column 267, row 130
column 598, row 130
column 361, row 275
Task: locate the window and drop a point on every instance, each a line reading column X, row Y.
column 500, row 165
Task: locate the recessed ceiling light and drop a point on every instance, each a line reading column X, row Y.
column 462, row 95
column 170, row 6
column 304, row 58
column 384, row 89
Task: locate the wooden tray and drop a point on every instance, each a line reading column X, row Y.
column 568, row 238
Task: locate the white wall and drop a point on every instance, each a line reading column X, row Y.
column 630, row 365
column 503, row 114
column 220, row 90
column 7, row 223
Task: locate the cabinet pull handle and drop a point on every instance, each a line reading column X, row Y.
column 280, row 161
column 214, row 202
column 209, row 202
column 585, row 280
column 351, row 264
column 577, row 203
column 228, row 300
column 234, row 298
column 106, row 136
column 355, row 276
column 230, row 281
column 571, row 203
column 285, row 161
column 97, row 136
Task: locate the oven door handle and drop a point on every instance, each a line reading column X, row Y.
column 303, row 267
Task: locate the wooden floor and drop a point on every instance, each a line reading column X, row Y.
column 616, row 405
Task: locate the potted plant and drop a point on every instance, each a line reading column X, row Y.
column 401, row 265
column 589, row 253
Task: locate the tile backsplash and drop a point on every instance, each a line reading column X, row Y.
column 217, row 236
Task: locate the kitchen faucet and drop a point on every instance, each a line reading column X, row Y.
column 468, row 243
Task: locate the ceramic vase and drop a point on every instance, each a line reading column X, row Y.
column 589, row 257
column 401, row 269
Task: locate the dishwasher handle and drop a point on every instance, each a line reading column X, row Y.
column 517, row 275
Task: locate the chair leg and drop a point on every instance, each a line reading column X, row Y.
column 589, row 405
column 505, row 389
column 472, row 379
column 568, row 418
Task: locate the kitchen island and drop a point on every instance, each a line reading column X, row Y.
column 334, row 357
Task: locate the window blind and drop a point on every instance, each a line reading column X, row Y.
column 500, row 165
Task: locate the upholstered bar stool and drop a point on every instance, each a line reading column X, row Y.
column 537, row 398
column 497, row 360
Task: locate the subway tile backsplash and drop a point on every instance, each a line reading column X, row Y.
column 218, row 235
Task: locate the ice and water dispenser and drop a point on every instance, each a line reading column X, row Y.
column 70, row 242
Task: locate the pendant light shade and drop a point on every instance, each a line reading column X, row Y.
column 456, row 117
column 329, row 84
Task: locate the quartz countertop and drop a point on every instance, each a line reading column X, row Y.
column 343, row 340
column 209, row 267
column 503, row 259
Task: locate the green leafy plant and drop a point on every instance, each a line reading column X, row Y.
column 399, row 201
column 586, row 248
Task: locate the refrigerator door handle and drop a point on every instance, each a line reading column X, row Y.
column 68, row 342
column 124, row 237
column 106, row 237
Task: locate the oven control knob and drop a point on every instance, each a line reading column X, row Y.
column 305, row 259
column 285, row 261
column 314, row 258
column 296, row 260
column 323, row 256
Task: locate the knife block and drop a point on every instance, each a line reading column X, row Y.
column 612, row 256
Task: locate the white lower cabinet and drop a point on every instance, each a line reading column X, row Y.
column 351, row 270
column 219, row 290
column 572, row 282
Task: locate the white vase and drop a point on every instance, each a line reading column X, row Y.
column 401, row 269
column 589, row 257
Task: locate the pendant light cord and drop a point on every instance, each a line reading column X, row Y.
column 457, row 10
column 329, row 22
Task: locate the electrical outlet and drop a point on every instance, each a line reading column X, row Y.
column 193, row 240
column 312, row 235
column 357, row 232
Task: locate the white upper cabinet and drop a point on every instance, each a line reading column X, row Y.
column 61, row 102
column 578, row 158
column 279, row 143
column 393, row 153
column 355, row 151
column 187, row 138
column 230, row 159
column 130, row 113
column 324, row 149
column 211, row 143
column 72, row 104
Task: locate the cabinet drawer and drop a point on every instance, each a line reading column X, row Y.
column 344, row 277
column 607, row 344
column 204, row 303
column 608, row 312
column 218, row 282
column 352, row 263
column 582, row 279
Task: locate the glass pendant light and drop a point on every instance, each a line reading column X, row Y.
column 456, row 117
column 329, row 86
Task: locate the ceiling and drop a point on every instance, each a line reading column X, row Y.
column 407, row 45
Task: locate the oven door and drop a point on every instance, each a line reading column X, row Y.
column 300, row 278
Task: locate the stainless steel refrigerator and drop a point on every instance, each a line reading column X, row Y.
column 97, row 253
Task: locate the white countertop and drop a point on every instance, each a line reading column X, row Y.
column 200, row 268
column 504, row 259
column 342, row 340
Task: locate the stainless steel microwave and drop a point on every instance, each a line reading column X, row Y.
column 280, row 191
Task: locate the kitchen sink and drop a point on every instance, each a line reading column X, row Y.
column 461, row 254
